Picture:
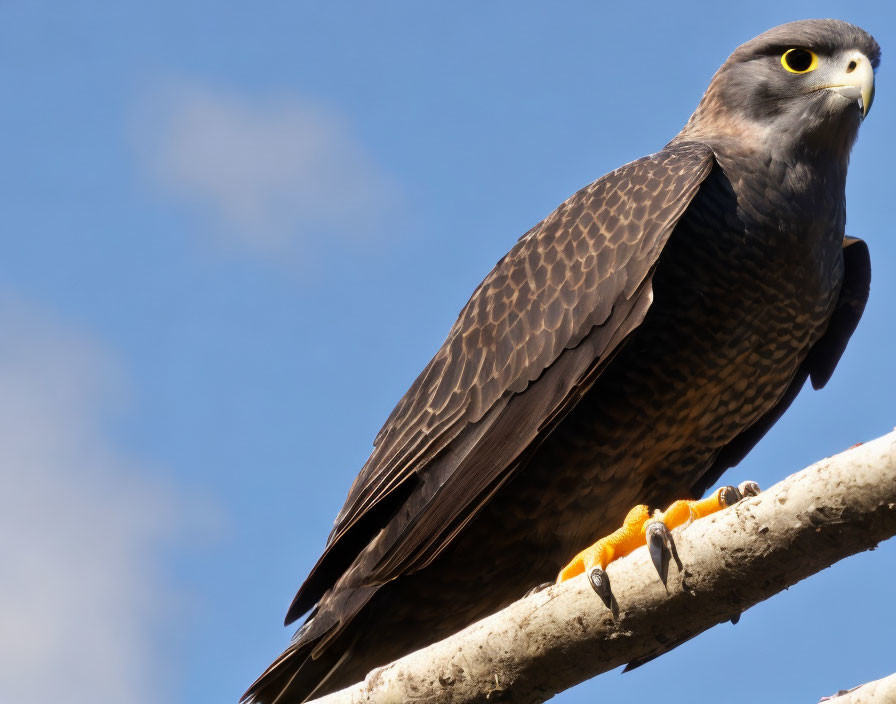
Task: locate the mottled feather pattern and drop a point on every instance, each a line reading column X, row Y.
column 609, row 235
column 557, row 283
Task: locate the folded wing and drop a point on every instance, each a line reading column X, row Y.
column 553, row 309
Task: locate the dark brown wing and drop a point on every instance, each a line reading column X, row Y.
column 819, row 363
column 556, row 306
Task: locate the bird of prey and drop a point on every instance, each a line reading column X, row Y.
column 628, row 349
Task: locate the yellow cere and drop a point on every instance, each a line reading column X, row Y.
column 799, row 60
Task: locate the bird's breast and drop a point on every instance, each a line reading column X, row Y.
column 739, row 298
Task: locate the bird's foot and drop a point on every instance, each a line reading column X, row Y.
column 594, row 560
column 640, row 528
column 658, row 530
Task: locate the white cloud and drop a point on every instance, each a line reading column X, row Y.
column 272, row 174
column 81, row 527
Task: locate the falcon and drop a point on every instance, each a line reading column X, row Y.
column 629, row 349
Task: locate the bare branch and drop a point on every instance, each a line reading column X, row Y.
column 549, row 641
column 882, row 691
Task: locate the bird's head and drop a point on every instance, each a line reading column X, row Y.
column 806, row 84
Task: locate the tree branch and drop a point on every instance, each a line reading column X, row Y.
column 882, row 691
column 556, row 638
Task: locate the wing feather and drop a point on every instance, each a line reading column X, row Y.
column 458, row 432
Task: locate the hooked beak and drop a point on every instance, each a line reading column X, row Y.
column 855, row 81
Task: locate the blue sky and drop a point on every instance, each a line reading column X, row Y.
column 234, row 235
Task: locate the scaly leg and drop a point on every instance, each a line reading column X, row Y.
column 594, row 560
column 639, row 527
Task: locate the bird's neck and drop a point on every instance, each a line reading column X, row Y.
column 819, row 149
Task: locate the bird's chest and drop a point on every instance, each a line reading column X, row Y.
column 738, row 302
column 771, row 240
column 744, row 288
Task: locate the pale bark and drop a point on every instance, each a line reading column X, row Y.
column 882, row 691
column 553, row 639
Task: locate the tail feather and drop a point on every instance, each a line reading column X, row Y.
column 296, row 676
column 319, row 660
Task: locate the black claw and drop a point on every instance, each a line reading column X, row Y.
column 729, row 495
column 749, row 488
column 600, row 583
column 734, row 619
column 658, row 539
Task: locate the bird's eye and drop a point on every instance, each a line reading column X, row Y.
column 799, row 60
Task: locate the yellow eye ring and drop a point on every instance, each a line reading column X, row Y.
column 799, row 60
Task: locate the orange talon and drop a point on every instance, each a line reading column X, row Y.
column 618, row 543
column 685, row 512
column 640, row 528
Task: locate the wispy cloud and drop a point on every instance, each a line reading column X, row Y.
column 81, row 526
column 271, row 174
